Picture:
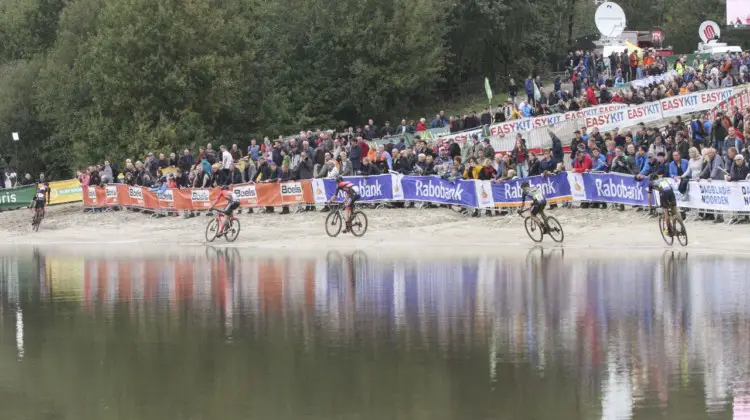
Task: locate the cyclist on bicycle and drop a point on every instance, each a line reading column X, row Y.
column 538, row 203
column 667, row 199
column 41, row 198
column 232, row 204
column 351, row 197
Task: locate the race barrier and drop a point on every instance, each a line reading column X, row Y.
column 13, row 198
column 65, row 192
column 610, row 188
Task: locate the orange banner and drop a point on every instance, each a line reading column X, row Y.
column 250, row 195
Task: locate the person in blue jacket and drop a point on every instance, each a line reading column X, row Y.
column 598, row 161
column 529, row 85
column 696, row 126
column 678, row 166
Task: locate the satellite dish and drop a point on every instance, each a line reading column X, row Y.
column 709, row 31
column 610, row 19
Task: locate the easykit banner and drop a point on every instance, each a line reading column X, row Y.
column 438, row 190
column 65, row 192
column 13, row 198
column 555, row 188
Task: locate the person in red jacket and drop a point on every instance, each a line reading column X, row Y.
column 591, row 96
column 582, row 162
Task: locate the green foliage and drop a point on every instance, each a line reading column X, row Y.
column 87, row 80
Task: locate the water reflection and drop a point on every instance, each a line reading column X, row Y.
column 224, row 333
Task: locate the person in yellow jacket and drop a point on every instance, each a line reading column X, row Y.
column 472, row 169
column 679, row 67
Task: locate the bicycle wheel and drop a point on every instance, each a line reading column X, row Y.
column 212, row 230
column 555, row 229
column 36, row 221
column 359, row 223
column 233, row 231
column 664, row 232
column 533, row 229
column 679, row 231
column 333, row 224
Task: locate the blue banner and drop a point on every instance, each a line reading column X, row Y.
column 370, row 188
column 508, row 193
column 438, row 190
column 615, row 188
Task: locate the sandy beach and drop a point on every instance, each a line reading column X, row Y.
column 412, row 230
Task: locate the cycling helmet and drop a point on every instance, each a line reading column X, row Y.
column 339, row 178
column 224, row 187
column 654, row 176
column 524, row 184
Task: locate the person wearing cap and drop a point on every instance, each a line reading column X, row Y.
column 739, row 170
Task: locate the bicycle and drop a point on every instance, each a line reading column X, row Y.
column 536, row 231
column 335, row 219
column 674, row 223
column 37, row 219
column 231, row 227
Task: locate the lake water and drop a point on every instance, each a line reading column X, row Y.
column 227, row 334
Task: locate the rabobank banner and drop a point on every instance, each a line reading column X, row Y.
column 555, row 188
column 438, row 190
column 615, row 188
column 370, row 188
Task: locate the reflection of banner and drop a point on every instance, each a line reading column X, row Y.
column 555, row 189
column 64, row 276
column 13, row 198
column 65, row 191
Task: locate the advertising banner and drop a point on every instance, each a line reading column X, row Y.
column 13, row 198
column 370, row 188
column 615, row 188
column 438, row 190
column 65, row 192
column 509, row 194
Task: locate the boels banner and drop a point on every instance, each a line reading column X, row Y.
column 250, row 195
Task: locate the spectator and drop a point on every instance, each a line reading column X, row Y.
column 534, row 165
column 421, row 125
column 678, row 166
column 739, row 171
column 489, row 151
column 486, row 172
column 404, row 128
column 548, row 163
column 486, row 117
column 253, row 150
column 731, row 140
column 304, row 169
column 472, row 169
column 598, row 162
column 621, row 163
column 355, row 154
column 227, row 164
column 695, row 165
column 346, row 163
column 713, row 168
column 368, row 169
column 582, row 162
column 519, row 156
column 235, row 153
column 662, row 168
column 173, row 160
column 529, row 87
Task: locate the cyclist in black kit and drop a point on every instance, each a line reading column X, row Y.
column 351, row 197
column 538, row 203
column 667, row 199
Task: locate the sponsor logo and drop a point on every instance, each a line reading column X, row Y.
column 167, row 195
column 111, row 192
column 511, row 127
column 548, row 120
column 678, row 102
column 10, row 198
column 292, row 188
column 367, row 191
column 513, row 191
column 715, row 194
column 199, row 195
column 441, row 191
column 612, row 189
column 246, row 192
column 68, row 191
column 135, row 192
column 92, row 193
column 715, row 97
